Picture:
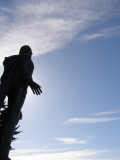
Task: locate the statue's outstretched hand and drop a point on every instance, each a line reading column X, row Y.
column 36, row 88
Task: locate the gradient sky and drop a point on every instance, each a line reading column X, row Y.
column 76, row 47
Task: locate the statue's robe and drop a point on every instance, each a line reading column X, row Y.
column 17, row 75
column 8, row 76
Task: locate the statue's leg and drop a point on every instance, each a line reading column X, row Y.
column 16, row 98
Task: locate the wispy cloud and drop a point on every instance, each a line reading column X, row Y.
column 90, row 120
column 64, row 155
column 106, row 113
column 49, row 25
column 71, row 141
column 42, row 150
column 105, row 32
column 87, row 154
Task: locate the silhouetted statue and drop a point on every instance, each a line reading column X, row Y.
column 16, row 78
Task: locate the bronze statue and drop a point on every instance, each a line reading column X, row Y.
column 16, row 78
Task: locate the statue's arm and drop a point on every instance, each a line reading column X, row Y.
column 26, row 73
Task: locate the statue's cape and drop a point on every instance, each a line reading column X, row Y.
column 10, row 68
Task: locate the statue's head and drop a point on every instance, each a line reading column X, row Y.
column 25, row 50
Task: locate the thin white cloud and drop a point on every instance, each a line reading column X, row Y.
column 90, row 120
column 106, row 113
column 42, row 150
column 49, row 25
column 64, row 155
column 105, row 32
column 71, row 141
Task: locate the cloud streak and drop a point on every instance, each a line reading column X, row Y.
column 19, row 152
column 90, row 120
column 71, row 141
column 64, row 155
column 49, row 25
column 86, row 154
column 105, row 32
column 107, row 113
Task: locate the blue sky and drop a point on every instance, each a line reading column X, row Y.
column 76, row 56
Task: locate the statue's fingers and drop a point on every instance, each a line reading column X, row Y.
column 33, row 91
column 36, row 91
column 40, row 90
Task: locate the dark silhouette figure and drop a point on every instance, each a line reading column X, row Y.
column 16, row 78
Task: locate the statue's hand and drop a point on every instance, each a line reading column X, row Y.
column 36, row 88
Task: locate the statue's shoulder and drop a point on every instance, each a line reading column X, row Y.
column 26, row 60
column 11, row 59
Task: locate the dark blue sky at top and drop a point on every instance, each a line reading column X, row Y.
column 6, row 3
